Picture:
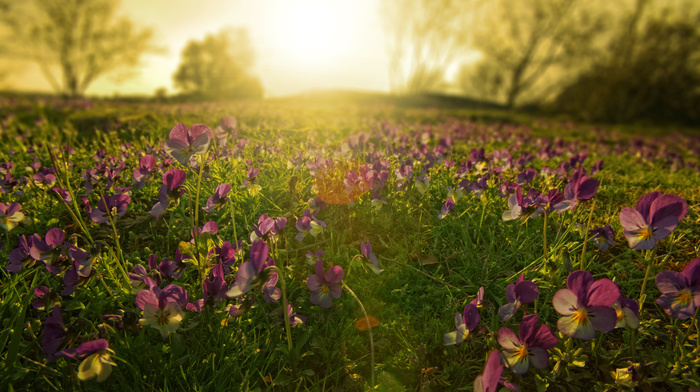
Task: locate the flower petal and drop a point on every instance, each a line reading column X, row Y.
column 668, row 205
column 603, row 292
column 580, row 282
column 603, row 318
column 570, row 327
column 644, row 203
column 539, row 357
column 632, row 220
column 508, row 340
column 671, row 282
column 565, row 302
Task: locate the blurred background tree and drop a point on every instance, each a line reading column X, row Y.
column 219, row 67
column 73, row 42
column 424, row 38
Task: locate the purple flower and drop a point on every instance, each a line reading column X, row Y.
column 214, row 286
column 20, row 257
column 183, row 143
column 295, row 319
column 627, row 311
column 366, row 249
column 585, row 305
column 603, row 237
column 323, row 286
column 170, row 191
column 115, row 206
column 680, row 291
column 653, row 219
column 522, row 292
column 218, row 198
column 530, row 346
column 311, row 257
column 581, row 187
column 479, row 300
column 146, row 167
column 251, row 273
column 465, row 322
column 96, row 363
column 162, row 309
column 54, row 334
column 10, row 215
column 490, row 379
column 446, row 208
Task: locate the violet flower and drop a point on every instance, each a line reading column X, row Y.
column 465, row 322
column 251, row 273
column 530, row 346
column 522, row 292
column 653, row 219
column 10, row 215
column 627, row 311
column 115, row 206
column 446, row 208
column 580, row 187
column 490, row 379
column 366, row 249
column 603, row 237
column 323, row 286
column 146, row 168
column 214, row 286
column 96, row 362
column 294, row 318
column 20, row 257
column 218, row 199
column 54, row 334
column 183, row 143
column 585, row 305
column 680, row 291
column 170, row 191
column 162, row 309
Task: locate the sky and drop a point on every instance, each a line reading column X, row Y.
column 300, row 45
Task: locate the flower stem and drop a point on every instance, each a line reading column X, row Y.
column 233, row 220
column 648, row 257
column 582, row 265
column 287, row 327
column 544, row 235
column 369, row 328
column 120, row 260
column 195, row 224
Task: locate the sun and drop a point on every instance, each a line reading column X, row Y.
column 312, row 33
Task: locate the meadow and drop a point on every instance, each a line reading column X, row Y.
column 308, row 247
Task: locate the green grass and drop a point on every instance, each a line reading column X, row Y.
column 432, row 268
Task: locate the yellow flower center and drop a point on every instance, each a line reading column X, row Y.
column 325, row 289
column 684, row 297
column 581, row 317
column 521, row 353
column 163, row 318
column 645, row 233
column 620, row 315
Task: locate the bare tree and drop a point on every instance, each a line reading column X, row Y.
column 525, row 43
column 73, row 42
column 423, row 38
column 219, row 66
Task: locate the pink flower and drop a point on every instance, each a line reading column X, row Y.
column 183, row 143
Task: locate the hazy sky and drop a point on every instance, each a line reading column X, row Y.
column 300, row 44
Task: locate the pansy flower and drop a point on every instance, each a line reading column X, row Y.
column 20, row 257
column 518, row 293
column 311, row 257
column 680, row 291
column 446, row 208
column 170, row 191
column 585, row 305
column 294, row 318
column 146, row 168
column 653, row 219
column 183, row 143
column 54, row 334
column 251, row 273
column 325, row 286
column 530, row 346
column 627, row 311
column 96, row 359
column 366, row 249
column 603, row 237
column 162, row 309
column 580, row 187
column 491, row 378
column 218, row 198
column 111, row 206
column 10, row 215
column 465, row 322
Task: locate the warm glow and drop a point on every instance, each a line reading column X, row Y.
column 314, row 33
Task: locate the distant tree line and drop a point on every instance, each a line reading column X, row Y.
column 598, row 59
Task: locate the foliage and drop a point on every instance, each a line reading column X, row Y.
column 82, row 39
column 219, row 67
column 193, row 299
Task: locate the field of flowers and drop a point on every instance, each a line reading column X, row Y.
column 283, row 246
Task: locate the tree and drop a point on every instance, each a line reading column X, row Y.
column 80, row 40
column 529, row 47
column 424, row 37
column 219, row 67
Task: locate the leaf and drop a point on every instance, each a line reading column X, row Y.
column 366, row 323
column 428, row 259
